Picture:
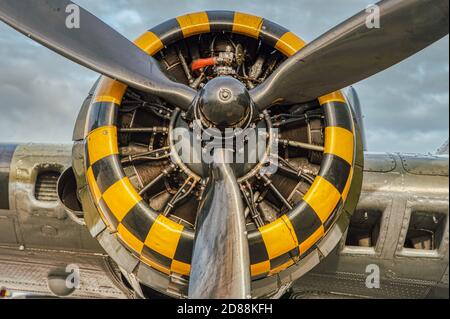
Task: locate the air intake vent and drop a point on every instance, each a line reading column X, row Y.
column 45, row 189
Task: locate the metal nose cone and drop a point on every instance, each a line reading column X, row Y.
column 224, row 102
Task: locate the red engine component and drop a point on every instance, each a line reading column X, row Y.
column 201, row 63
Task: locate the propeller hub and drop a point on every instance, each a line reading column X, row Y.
column 224, row 102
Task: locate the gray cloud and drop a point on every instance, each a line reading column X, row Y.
column 406, row 107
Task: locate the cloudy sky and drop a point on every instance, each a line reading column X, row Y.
column 406, row 107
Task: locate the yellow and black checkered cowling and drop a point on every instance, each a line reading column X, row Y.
column 164, row 244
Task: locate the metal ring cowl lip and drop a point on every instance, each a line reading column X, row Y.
column 166, row 245
column 278, row 245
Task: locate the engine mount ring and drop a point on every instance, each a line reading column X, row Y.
column 165, row 245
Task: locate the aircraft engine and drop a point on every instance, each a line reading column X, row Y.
column 140, row 195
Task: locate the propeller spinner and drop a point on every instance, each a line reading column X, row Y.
column 224, row 102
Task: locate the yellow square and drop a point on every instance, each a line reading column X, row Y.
column 260, row 268
column 323, row 197
column 279, row 237
column 180, row 267
column 155, row 265
column 95, row 191
column 347, row 185
column 149, row 42
column 311, row 240
column 102, row 142
column 282, row 267
column 110, row 90
column 121, row 197
column 247, row 24
column 132, row 241
column 164, row 236
column 339, row 141
column 332, row 97
column 194, row 23
column 289, row 44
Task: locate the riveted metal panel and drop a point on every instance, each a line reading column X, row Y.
column 379, row 162
column 419, row 164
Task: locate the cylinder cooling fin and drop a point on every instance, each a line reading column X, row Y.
column 143, row 196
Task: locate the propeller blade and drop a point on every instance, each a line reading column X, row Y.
column 92, row 44
column 352, row 51
column 220, row 266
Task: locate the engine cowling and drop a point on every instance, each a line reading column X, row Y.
column 140, row 197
